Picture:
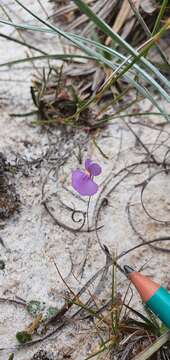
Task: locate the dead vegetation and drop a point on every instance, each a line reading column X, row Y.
column 133, row 20
column 57, row 101
column 118, row 14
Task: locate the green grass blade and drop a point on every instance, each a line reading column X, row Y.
column 29, row 46
column 160, row 16
column 138, row 69
column 153, row 348
column 130, row 80
column 104, row 27
column 116, row 38
column 147, row 30
column 141, row 316
column 91, row 52
column 139, row 114
column 114, row 292
column 48, row 57
column 94, row 56
column 27, row 27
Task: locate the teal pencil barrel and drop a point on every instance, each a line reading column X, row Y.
column 159, row 303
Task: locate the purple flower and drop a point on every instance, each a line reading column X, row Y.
column 82, row 181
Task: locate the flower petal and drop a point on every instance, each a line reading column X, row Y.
column 90, row 188
column 88, row 162
column 83, row 184
column 78, row 179
column 93, row 168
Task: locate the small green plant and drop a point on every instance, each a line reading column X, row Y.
column 23, row 337
column 41, row 314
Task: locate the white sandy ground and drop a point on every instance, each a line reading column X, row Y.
column 33, row 241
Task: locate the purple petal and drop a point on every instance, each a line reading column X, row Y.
column 90, row 188
column 83, row 184
column 93, row 168
column 88, row 162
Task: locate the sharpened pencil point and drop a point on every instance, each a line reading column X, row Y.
column 155, row 297
column 128, row 269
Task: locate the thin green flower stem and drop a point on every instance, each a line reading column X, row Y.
column 89, row 310
column 114, row 310
column 117, row 115
column 123, row 301
column 124, row 108
column 99, row 148
column 99, row 335
column 115, row 100
column 112, row 117
column 88, row 206
column 107, row 120
column 104, row 347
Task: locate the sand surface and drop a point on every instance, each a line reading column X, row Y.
column 33, row 241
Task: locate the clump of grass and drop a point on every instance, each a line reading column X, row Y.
column 122, row 331
column 57, row 100
column 121, row 62
column 116, row 329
